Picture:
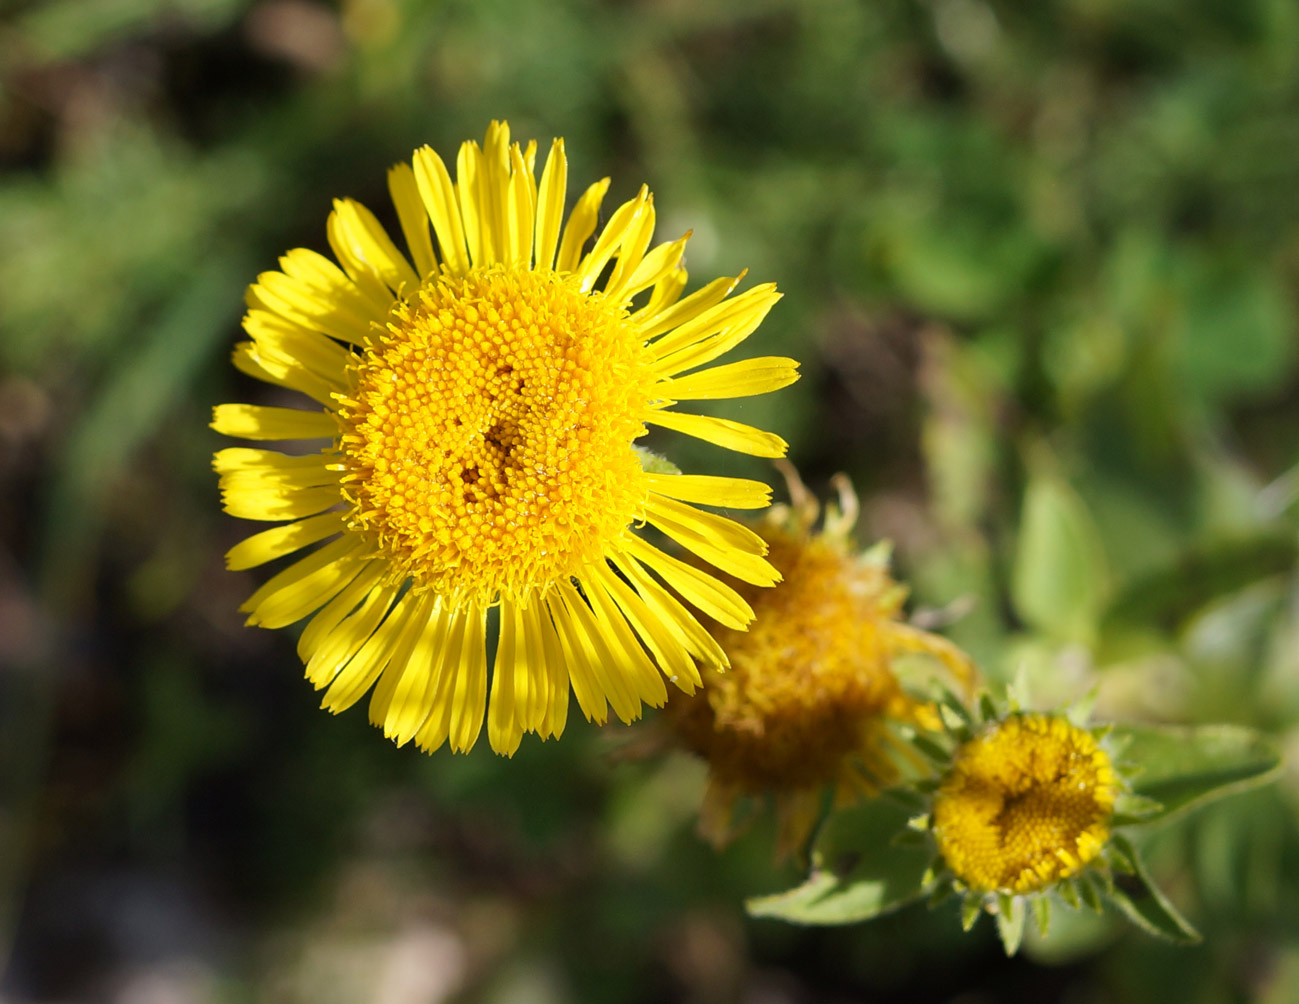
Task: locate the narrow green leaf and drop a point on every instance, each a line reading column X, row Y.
column 988, row 708
column 1090, row 893
column 858, row 870
column 1068, row 891
column 1143, row 904
column 1186, row 766
column 971, row 907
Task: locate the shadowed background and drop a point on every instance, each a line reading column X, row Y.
column 1040, row 263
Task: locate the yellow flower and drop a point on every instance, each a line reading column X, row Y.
column 811, row 691
column 1025, row 803
column 480, row 401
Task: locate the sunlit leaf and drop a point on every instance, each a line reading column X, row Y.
column 1142, row 903
column 858, row 870
column 1186, row 766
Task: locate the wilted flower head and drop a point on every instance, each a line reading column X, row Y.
column 811, row 697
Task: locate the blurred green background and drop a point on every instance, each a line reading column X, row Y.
column 1040, row 262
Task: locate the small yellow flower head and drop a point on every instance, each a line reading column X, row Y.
column 1026, row 803
column 811, row 686
column 468, row 474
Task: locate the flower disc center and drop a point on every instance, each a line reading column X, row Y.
column 1025, row 804
column 488, row 441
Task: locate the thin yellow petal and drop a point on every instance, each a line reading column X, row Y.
column 653, row 269
column 469, row 189
column 543, row 641
column 469, row 684
column 581, row 225
column 399, row 660
column 748, row 308
column 715, row 598
column 707, row 349
column 707, row 489
column 745, row 378
column 622, row 226
column 669, row 651
column 667, row 291
column 668, row 610
column 506, row 708
column 550, row 205
column 287, row 342
column 630, row 661
column 438, row 194
column 350, row 634
column 328, row 617
column 347, row 318
column 252, row 421
column 574, row 653
column 365, row 667
column 437, row 723
column 521, row 211
column 306, row 585
column 366, row 251
column 631, row 251
column 276, row 502
column 655, row 323
column 281, row 540
column 404, row 191
column 416, row 688
column 714, row 538
column 260, row 366
column 721, row 432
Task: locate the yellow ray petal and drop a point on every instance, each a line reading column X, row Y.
column 469, row 683
column 654, row 324
column 622, row 225
column 267, row 368
column 745, row 310
column 332, row 613
column 581, row 225
column 542, row 639
column 281, row 540
column 715, row 598
column 521, row 211
column 414, row 689
column 442, row 204
column 721, row 432
column 351, row 633
column 631, row 251
column 654, row 267
column 364, row 668
column 683, row 624
column 550, row 205
column 507, row 707
column 739, row 379
column 290, row 343
column 366, row 251
column 670, row 654
column 318, row 310
column 630, row 661
column 437, row 724
column 706, row 489
column 404, row 191
column 251, row 421
column 307, row 584
column 399, row 659
column 712, row 537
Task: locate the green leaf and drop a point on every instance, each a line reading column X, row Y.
column 1042, row 914
column 1060, row 579
column 1161, row 602
column 1186, row 766
column 1143, row 904
column 1010, row 922
column 858, row 871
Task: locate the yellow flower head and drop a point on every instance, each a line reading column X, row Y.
column 811, row 687
column 479, row 400
column 1025, row 803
